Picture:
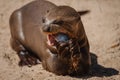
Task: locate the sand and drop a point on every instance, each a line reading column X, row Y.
column 102, row 25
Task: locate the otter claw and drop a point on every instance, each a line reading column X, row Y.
column 27, row 59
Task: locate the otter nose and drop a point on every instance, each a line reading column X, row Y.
column 46, row 28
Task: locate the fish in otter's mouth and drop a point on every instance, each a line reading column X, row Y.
column 53, row 39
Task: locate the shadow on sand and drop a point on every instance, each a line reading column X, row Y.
column 98, row 70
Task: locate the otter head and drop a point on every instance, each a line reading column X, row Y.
column 63, row 25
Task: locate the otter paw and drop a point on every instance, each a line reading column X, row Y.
column 27, row 59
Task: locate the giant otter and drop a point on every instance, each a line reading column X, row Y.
column 53, row 34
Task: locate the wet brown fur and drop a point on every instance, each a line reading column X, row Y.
column 28, row 38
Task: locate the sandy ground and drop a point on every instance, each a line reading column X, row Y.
column 102, row 25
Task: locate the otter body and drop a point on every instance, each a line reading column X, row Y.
column 28, row 39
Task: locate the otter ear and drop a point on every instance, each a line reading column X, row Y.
column 81, row 13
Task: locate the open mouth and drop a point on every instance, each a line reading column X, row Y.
column 53, row 39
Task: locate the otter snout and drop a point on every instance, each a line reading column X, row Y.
column 46, row 28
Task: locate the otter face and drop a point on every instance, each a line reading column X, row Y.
column 59, row 24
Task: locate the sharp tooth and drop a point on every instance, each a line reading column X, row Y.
column 48, row 42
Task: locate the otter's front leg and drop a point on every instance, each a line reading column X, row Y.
column 26, row 57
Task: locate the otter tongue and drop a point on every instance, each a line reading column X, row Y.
column 51, row 39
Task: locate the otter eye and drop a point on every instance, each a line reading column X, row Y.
column 58, row 22
column 47, row 11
